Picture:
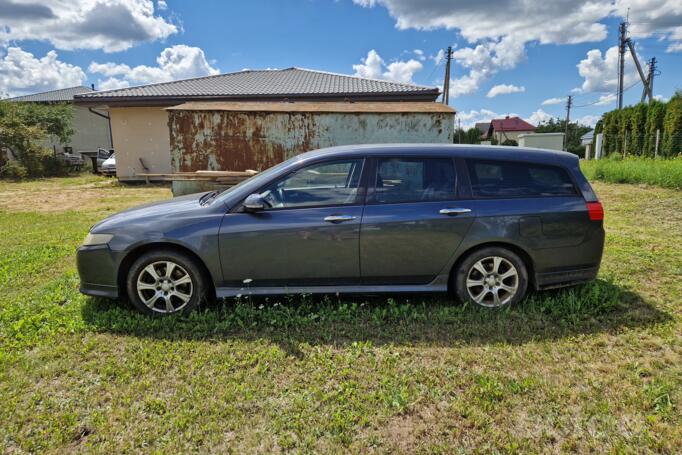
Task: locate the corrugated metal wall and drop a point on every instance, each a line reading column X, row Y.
column 228, row 140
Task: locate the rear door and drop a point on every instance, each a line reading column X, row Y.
column 539, row 203
column 413, row 221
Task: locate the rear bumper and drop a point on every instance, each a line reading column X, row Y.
column 99, row 290
column 97, row 269
column 565, row 277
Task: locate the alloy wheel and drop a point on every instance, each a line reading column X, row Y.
column 164, row 286
column 492, row 281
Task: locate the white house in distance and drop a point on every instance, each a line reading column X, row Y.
column 91, row 127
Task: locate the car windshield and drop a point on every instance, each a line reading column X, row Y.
column 257, row 180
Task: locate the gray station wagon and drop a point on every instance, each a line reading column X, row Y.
column 483, row 222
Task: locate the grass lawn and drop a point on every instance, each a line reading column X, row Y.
column 666, row 173
column 593, row 368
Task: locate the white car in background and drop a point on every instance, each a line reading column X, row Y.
column 109, row 166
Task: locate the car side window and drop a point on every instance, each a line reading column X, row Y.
column 515, row 179
column 414, row 180
column 322, row 184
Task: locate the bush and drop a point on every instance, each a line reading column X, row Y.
column 13, row 170
column 24, row 128
column 672, row 127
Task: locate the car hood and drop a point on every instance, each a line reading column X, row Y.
column 176, row 208
column 109, row 162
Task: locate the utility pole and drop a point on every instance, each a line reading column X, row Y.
column 622, row 32
column 646, row 84
column 459, row 130
column 652, row 73
column 644, row 79
column 569, row 103
column 446, row 82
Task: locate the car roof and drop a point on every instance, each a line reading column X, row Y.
column 486, row 152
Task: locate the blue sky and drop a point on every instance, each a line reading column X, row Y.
column 531, row 52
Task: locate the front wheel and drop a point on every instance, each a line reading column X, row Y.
column 491, row 277
column 165, row 282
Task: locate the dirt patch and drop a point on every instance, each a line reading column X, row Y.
column 52, row 197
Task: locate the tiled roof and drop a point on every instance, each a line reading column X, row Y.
column 315, row 107
column 53, row 96
column 289, row 82
column 511, row 124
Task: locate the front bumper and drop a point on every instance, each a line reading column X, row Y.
column 97, row 268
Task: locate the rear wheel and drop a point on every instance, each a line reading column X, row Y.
column 165, row 282
column 491, row 277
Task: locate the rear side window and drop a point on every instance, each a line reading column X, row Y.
column 414, row 180
column 515, row 179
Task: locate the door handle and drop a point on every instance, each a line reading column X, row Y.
column 456, row 211
column 338, row 218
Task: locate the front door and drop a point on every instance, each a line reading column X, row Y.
column 308, row 236
column 413, row 222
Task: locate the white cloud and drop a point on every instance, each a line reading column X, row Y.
column 588, row 120
column 112, row 84
column 402, row 71
column 111, row 25
column 564, row 21
column 374, row 67
column 469, row 119
column 661, row 98
column 177, row 62
column 483, row 61
column 420, row 54
column 162, row 5
column 22, row 73
column 439, row 57
column 600, row 71
column 551, row 101
column 371, row 67
column 504, row 89
column 538, row 117
column 662, row 18
column 606, row 99
column 500, row 29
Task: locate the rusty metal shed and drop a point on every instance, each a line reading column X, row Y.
column 256, row 135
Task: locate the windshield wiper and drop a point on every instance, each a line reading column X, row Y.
column 208, row 196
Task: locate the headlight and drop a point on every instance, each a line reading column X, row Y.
column 97, row 239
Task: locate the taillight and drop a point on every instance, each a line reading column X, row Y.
column 595, row 211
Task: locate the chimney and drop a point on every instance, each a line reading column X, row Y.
column 93, row 86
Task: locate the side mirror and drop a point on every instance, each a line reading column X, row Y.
column 254, row 203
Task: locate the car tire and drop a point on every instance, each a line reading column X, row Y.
column 492, row 277
column 154, row 291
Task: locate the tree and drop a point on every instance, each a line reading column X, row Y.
column 24, row 127
column 672, row 126
column 470, row 136
column 654, row 122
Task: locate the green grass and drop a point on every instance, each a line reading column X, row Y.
column 666, row 173
column 591, row 368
